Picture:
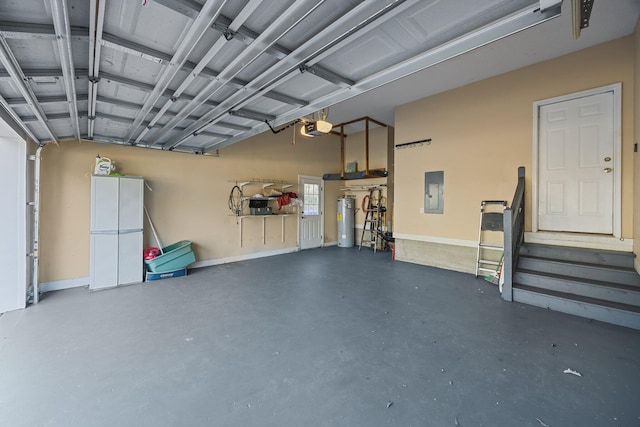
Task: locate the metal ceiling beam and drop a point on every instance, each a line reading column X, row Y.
column 51, row 99
column 232, row 126
column 7, row 108
column 62, row 26
column 117, row 118
column 135, row 106
column 290, row 18
column 328, row 75
column 33, row 31
column 222, row 40
column 147, row 87
column 216, row 135
column 96, row 29
column 129, row 120
column 135, row 49
column 285, row 99
column 360, row 16
column 358, row 29
column 188, row 8
column 31, row 73
column 10, row 63
column 513, row 23
column 247, row 36
column 251, row 115
column 127, row 81
column 197, row 28
column 54, row 116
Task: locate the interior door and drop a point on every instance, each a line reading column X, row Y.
column 575, row 165
column 311, row 216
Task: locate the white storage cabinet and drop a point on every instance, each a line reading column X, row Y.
column 116, row 230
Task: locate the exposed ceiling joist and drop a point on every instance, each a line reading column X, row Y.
column 278, row 28
column 172, row 85
column 16, row 119
column 134, row 106
column 51, row 99
column 361, row 16
column 10, row 64
column 196, row 31
column 62, row 27
column 208, row 57
column 135, row 49
column 328, row 75
column 53, row 116
column 251, row 115
column 33, row 31
column 188, row 8
column 515, row 22
column 96, row 30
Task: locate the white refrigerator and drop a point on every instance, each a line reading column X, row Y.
column 116, row 231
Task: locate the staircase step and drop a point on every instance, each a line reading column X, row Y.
column 610, row 274
column 591, row 308
column 624, row 294
column 591, row 256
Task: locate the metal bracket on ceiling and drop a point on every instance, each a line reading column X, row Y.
column 251, row 115
column 327, row 75
column 581, row 13
column 229, row 34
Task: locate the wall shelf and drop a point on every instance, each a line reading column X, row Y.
column 260, row 185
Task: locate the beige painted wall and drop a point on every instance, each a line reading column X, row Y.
column 482, row 132
column 636, row 121
column 188, row 201
column 355, row 148
column 379, row 142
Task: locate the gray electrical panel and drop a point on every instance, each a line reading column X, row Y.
column 434, row 192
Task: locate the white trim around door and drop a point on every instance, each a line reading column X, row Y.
column 616, row 90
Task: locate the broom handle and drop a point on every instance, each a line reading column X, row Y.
column 153, row 229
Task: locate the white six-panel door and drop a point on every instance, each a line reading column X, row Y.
column 576, row 165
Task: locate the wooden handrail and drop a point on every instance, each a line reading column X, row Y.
column 513, row 235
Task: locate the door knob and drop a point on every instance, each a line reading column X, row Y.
column 608, row 170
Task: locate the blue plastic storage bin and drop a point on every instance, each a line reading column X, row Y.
column 175, row 257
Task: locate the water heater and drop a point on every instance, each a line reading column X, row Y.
column 346, row 221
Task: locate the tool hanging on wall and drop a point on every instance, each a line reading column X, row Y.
column 235, row 200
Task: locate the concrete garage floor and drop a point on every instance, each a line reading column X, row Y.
column 326, row 337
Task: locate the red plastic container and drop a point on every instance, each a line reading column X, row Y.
column 150, row 253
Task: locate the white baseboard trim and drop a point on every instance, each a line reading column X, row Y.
column 255, row 255
column 576, row 240
column 438, row 240
column 324, row 245
column 58, row 285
